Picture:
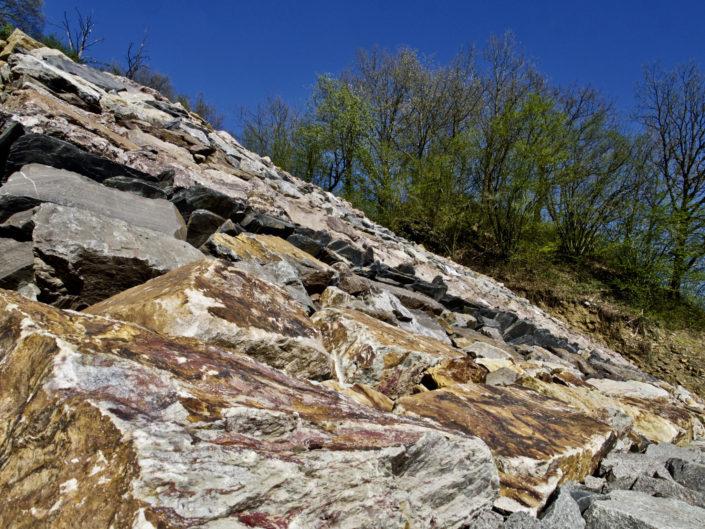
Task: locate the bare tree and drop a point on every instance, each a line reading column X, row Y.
column 79, row 36
column 136, row 58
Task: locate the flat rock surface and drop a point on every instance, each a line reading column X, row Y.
column 109, row 424
column 623, row 509
column 536, row 441
column 371, row 352
column 47, row 184
column 214, row 301
column 16, row 262
column 83, row 257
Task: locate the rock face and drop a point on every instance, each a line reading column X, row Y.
column 537, row 442
column 290, row 364
column 82, row 257
column 217, row 303
column 124, row 427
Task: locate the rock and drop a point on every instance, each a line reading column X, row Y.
column 522, row 520
column 622, row 469
column 503, row 376
column 536, row 441
column 46, row 150
column 47, row 184
column 201, row 225
column 488, row 520
column 135, row 186
column 11, row 205
column 18, row 39
column 664, row 488
column 16, row 263
column 485, row 350
column 256, row 222
column 595, row 484
column 688, row 474
column 454, row 371
column 200, row 197
column 636, row 510
column 10, row 131
column 19, row 226
column 371, row 352
column 215, row 302
column 363, row 394
column 100, row 79
column 82, row 257
column 665, row 451
column 122, row 426
column 628, row 388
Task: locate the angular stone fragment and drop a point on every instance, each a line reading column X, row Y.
column 536, row 441
column 47, row 184
column 664, row 488
column 623, row 509
column 82, row 257
column 215, row 302
column 109, row 424
column 563, row 513
column 201, row 225
column 377, row 354
column 16, row 263
column 688, row 474
column 19, row 226
column 454, row 371
column 363, row 394
column 622, row 469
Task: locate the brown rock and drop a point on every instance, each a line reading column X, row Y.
column 217, row 303
column 537, row 442
column 454, row 371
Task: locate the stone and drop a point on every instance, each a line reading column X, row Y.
column 665, row 451
column 82, row 257
column 536, row 441
column 19, row 226
column 119, row 425
column 688, row 474
column 485, row 350
column 488, row 520
column 16, row 263
column 622, row 509
column 201, row 225
column 102, row 80
column 622, row 469
column 664, row 488
column 46, row 150
column 363, row 394
column 523, row 520
column 47, row 184
column 628, row 388
column 503, row 376
column 371, row 352
column 216, row 302
column 11, row 205
column 18, row 39
column 454, row 371
column 10, row 131
column 200, row 197
column 263, row 223
column 135, row 186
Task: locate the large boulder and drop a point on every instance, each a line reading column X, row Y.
column 42, row 183
column 82, row 257
column 537, row 442
column 110, row 424
column 380, row 355
column 214, row 301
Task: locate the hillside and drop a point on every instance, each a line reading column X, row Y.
column 193, row 337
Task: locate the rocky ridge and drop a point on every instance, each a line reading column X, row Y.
column 251, row 351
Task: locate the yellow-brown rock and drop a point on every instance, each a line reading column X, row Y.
column 537, row 441
column 374, row 353
column 110, row 425
column 658, row 420
column 213, row 301
column 455, row 371
column 21, row 39
column 363, row 394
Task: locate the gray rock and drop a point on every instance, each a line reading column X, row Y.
column 487, row 520
column 688, row 474
column 595, row 484
column 664, row 488
column 19, row 226
column 16, row 263
column 665, row 451
column 47, row 184
column 502, row 377
column 82, row 257
column 622, row 469
column 522, row 520
column 485, row 350
column 563, row 513
column 620, row 421
column 101, row 79
column 201, row 225
column 625, row 509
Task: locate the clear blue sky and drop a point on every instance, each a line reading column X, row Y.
column 237, row 52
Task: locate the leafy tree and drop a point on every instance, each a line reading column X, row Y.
column 27, row 15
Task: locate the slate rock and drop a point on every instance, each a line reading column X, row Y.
column 263, row 223
column 16, row 263
column 688, row 474
column 82, row 257
column 664, row 488
column 135, row 186
column 101, row 79
column 305, row 243
column 353, row 255
column 47, row 184
column 435, row 290
column 11, row 205
column 10, row 131
column 622, row 509
column 523, row 520
column 622, row 468
column 19, row 226
column 201, row 225
column 665, row 451
column 230, row 228
column 190, row 199
column 46, row 150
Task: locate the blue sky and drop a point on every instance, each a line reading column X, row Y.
column 237, row 53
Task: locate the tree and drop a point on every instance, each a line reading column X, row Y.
column 78, row 36
column 269, row 130
column 672, row 110
column 27, row 15
column 207, row 111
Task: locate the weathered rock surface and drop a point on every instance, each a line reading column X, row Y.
column 47, row 184
column 108, row 424
column 82, row 257
column 16, row 263
column 371, row 352
column 536, row 441
column 635, row 510
column 215, row 302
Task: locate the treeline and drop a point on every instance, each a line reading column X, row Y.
column 484, row 154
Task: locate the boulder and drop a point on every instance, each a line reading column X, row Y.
column 636, row 510
column 113, row 424
column 201, row 225
column 537, row 442
column 18, row 39
column 621, row 469
column 563, row 512
column 19, row 226
column 10, row 131
column 688, row 474
column 454, row 371
column 214, row 301
column 16, row 263
column 196, row 197
column 135, row 186
column 371, row 352
column 666, row 488
column 41, row 183
column 102, row 80
column 82, row 257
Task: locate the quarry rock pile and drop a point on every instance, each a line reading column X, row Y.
column 192, row 337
